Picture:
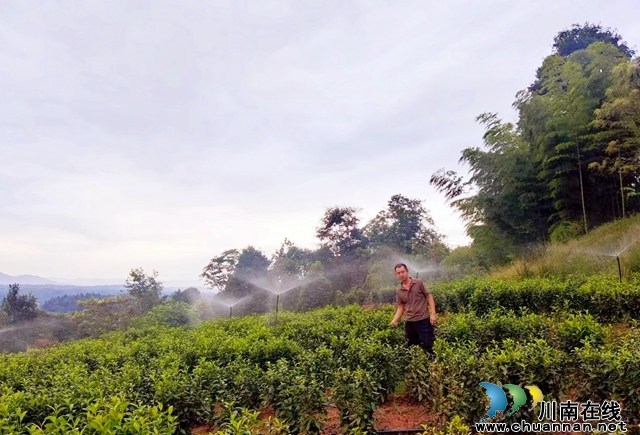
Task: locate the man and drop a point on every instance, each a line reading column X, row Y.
column 412, row 299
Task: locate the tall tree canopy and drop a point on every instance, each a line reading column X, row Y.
column 217, row 272
column 571, row 159
column 19, row 307
column 339, row 231
column 579, row 37
column 145, row 289
column 404, row 225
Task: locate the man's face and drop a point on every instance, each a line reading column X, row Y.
column 402, row 273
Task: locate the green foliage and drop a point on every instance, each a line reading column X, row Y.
column 167, row 314
column 317, row 291
column 463, row 261
column 612, row 372
column 405, row 226
column 454, row 427
column 290, row 263
column 240, row 422
column 112, row 415
column 296, row 398
column 579, row 37
column 357, row 394
column 99, row 316
column 577, row 331
column 587, row 255
column 217, row 272
column 249, row 274
column 571, row 158
column 19, row 307
column 603, row 296
column 417, row 377
column 339, row 231
column 144, row 289
column 68, row 303
column 189, row 295
column 345, row 357
column 236, row 420
column 564, row 231
column 450, row 383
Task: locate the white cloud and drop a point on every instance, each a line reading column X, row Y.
column 160, row 135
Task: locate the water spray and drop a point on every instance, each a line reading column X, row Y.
column 263, row 285
column 620, row 251
column 230, row 304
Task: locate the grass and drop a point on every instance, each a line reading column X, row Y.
column 592, row 253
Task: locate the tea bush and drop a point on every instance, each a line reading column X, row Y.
column 601, row 295
column 612, row 372
column 182, row 376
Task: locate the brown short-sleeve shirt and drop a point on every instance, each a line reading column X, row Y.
column 416, row 306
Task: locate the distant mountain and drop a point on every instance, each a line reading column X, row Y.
column 182, row 284
column 44, row 292
column 24, row 279
column 88, row 281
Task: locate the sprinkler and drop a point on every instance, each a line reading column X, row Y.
column 616, row 254
column 267, row 287
column 230, row 304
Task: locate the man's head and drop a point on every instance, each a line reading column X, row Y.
column 401, row 271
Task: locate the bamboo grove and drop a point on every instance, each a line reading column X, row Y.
column 569, row 164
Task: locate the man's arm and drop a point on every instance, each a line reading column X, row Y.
column 399, row 313
column 432, row 308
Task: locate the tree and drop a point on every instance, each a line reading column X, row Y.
column 250, row 278
column 216, row 274
column 507, row 196
column 339, row 231
column 19, row 307
column 144, row 288
column 618, row 124
column 317, row 291
column 68, row 303
column 189, row 295
column 252, row 264
column 405, row 225
column 556, row 120
column 289, row 264
column 579, row 37
column 99, row 316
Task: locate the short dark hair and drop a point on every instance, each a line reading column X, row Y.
column 401, row 265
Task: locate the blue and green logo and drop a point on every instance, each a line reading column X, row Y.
column 498, row 398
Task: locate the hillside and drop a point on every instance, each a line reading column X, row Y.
column 23, row 279
column 238, row 372
column 44, row 292
column 592, row 253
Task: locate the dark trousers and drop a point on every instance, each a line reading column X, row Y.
column 420, row 333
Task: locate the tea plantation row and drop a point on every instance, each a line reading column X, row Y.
column 162, row 380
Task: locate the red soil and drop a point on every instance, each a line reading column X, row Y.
column 403, row 412
column 398, row 412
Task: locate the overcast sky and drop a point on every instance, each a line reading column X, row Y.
column 157, row 134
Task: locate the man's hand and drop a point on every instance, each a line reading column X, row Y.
column 433, row 319
column 396, row 318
